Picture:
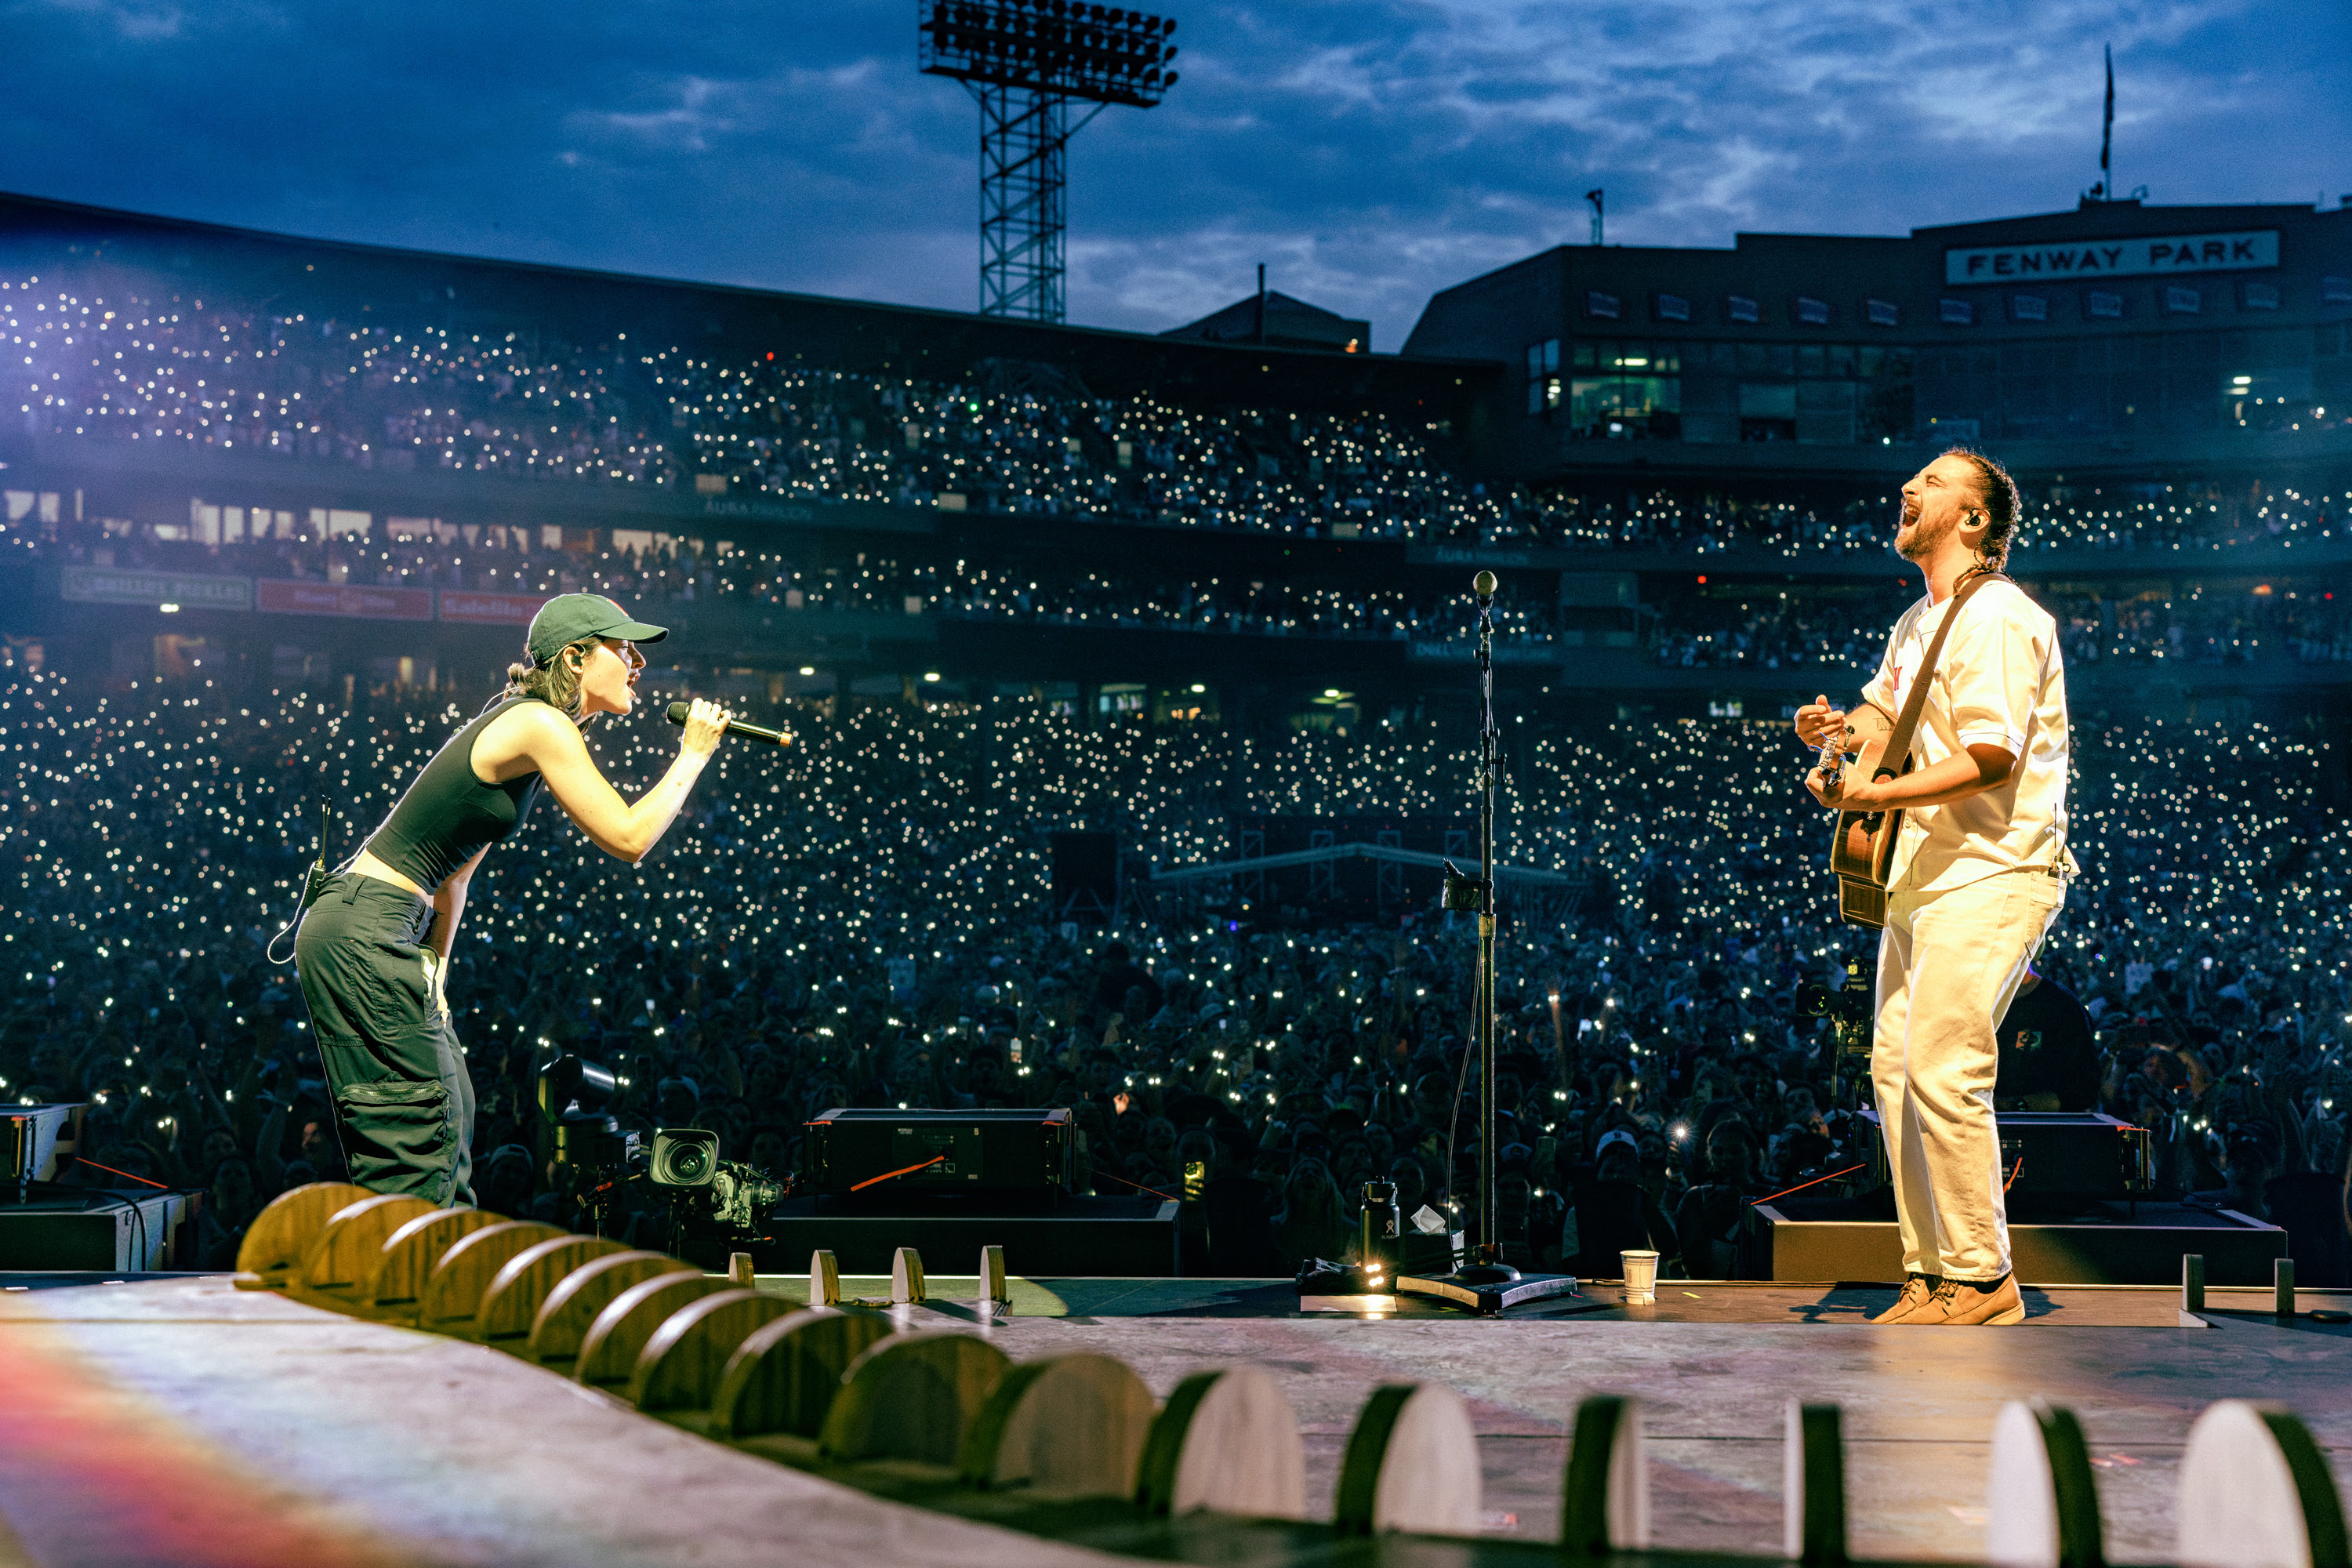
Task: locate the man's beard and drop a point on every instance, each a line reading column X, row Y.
column 1925, row 540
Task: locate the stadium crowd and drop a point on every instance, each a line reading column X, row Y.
column 864, row 919
column 1730, row 627
column 234, row 375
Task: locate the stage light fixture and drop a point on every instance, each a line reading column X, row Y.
column 571, row 1088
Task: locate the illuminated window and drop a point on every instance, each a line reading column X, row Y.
column 1543, row 376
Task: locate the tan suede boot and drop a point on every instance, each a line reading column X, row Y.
column 1915, row 1291
column 1961, row 1302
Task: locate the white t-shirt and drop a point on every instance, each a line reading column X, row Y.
column 1999, row 681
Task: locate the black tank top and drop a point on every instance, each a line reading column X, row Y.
column 448, row 814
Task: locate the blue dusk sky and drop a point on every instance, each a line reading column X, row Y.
column 1370, row 152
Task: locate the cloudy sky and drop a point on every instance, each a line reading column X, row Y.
column 1370, row 152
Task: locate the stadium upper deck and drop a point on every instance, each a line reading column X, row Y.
column 220, row 418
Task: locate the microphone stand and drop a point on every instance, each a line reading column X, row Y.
column 1484, row 1282
column 1489, row 1266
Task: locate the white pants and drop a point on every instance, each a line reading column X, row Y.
column 1948, row 963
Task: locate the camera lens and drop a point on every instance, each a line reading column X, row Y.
column 687, row 1162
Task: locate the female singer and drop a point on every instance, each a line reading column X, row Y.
column 373, row 948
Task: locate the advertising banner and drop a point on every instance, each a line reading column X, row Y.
column 190, row 591
column 279, row 596
column 489, row 609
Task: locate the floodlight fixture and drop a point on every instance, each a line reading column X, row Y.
column 1099, row 54
column 1024, row 61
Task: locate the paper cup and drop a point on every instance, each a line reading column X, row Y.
column 1640, row 1275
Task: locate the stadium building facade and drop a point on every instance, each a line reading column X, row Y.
column 2119, row 336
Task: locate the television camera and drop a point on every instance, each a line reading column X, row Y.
column 727, row 1200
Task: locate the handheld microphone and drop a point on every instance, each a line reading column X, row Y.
column 678, row 710
column 1482, row 585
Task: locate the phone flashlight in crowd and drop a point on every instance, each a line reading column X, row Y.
column 1196, row 1176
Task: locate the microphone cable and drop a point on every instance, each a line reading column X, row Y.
column 314, row 883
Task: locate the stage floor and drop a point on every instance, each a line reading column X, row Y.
column 179, row 1420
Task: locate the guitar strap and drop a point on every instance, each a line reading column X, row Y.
column 1899, row 743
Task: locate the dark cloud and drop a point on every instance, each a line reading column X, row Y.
column 1368, row 153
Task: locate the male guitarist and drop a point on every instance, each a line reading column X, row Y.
column 1977, row 879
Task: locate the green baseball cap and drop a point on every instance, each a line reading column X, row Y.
column 568, row 617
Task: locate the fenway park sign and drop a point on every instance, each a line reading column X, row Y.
column 2142, row 256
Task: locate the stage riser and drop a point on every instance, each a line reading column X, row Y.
column 1823, row 1251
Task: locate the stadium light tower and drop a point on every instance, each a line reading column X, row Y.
column 1024, row 61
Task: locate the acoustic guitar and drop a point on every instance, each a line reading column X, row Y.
column 1861, row 850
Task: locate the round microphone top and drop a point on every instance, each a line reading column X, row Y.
column 1482, row 584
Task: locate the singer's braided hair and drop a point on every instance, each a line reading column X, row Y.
column 1997, row 496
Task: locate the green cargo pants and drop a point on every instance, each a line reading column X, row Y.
column 404, row 1099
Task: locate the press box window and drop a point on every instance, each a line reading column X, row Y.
column 1627, row 407
column 1767, row 412
column 1825, row 359
column 1543, row 376
column 1120, row 699
column 1648, row 359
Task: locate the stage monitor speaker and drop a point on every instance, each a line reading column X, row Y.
column 100, row 1231
column 901, row 1152
column 1086, row 877
column 2069, row 1155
